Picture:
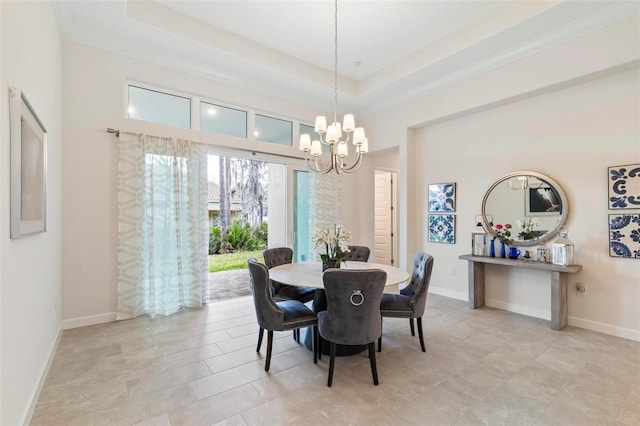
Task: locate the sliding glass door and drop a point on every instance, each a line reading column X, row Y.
column 302, row 244
column 262, row 194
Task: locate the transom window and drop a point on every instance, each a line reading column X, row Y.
column 274, row 130
column 159, row 107
column 223, row 120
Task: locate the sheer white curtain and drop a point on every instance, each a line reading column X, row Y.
column 162, row 225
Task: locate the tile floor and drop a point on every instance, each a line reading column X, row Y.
column 200, row 367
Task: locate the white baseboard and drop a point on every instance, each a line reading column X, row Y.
column 626, row 333
column 460, row 295
column 88, row 320
column 43, row 376
column 518, row 309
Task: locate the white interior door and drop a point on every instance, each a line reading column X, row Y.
column 384, row 218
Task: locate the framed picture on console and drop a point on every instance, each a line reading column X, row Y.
column 28, row 167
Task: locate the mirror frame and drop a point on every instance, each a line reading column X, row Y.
column 543, row 238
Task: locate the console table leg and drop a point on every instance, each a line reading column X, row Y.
column 476, row 284
column 558, row 300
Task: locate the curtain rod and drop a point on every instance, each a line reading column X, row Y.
column 116, row 132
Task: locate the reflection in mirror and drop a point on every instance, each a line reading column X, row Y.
column 534, row 204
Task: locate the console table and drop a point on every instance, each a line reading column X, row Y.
column 558, row 283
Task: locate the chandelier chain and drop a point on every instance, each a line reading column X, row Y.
column 335, row 64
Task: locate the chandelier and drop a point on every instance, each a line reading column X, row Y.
column 524, row 182
column 332, row 135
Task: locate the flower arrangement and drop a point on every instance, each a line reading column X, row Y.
column 527, row 227
column 503, row 232
column 335, row 243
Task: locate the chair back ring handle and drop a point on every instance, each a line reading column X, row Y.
column 357, row 293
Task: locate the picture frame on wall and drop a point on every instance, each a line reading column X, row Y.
column 624, row 187
column 623, row 232
column 442, row 197
column 28, row 167
column 442, row 228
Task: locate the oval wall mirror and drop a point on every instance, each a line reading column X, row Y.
column 534, row 204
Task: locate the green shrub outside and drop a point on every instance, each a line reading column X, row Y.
column 238, row 238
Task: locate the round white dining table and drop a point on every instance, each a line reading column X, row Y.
column 309, row 274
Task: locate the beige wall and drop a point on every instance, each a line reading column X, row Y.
column 30, row 267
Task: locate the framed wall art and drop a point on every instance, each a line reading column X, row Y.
column 624, row 187
column 442, row 228
column 28, row 167
column 442, row 197
column 624, row 235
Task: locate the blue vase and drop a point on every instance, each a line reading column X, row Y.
column 492, row 249
column 503, row 250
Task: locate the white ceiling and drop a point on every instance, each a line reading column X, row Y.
column 285, row 49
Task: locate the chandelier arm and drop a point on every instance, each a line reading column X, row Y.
column 356, row 166
column 311, row 167
column 316, row 168
column 335, row 163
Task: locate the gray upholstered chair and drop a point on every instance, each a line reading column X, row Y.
column 280, row 256
column 353, row 311
column 277, row 316
column 357, row 254
column 411, row 301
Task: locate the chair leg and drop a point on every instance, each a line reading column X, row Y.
column 332, row 363
column 315, row 344
column 320, row 339
column 372, row 360
column 380, row 338
column 413, row 331
column 267, row 362
column 260, row 334
column 419, row 320
column 296, row 335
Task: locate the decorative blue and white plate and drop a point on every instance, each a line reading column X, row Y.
column 442, row 197
column 624, row 187
column 442, row 228
column 624, row 235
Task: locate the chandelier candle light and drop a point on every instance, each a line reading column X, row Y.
column 332, row 135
